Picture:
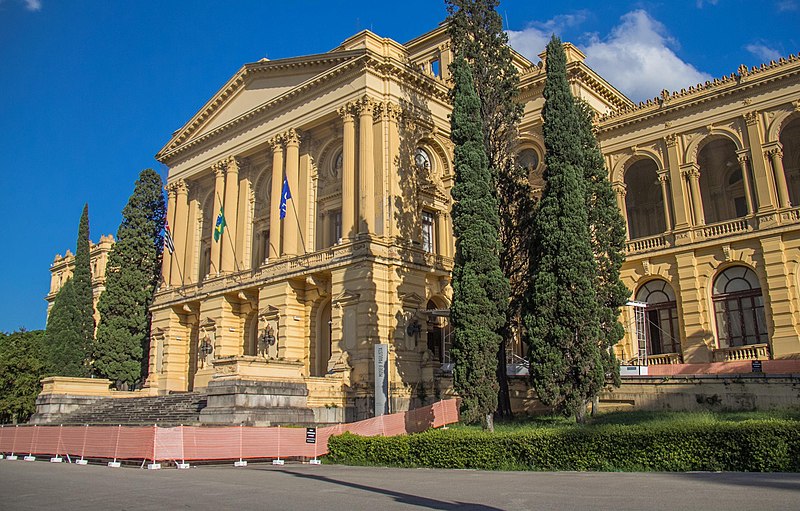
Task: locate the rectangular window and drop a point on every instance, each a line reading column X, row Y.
column 427, row 231
column 337, row 226
column 436, row 68
column 264, row 255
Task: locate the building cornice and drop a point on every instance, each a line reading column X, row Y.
column 743, row 80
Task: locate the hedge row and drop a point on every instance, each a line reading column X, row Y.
column 750, row 446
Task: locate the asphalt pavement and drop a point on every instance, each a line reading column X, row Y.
column 42, row 485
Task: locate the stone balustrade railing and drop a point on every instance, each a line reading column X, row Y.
column 750, row 352
column 726, row 228
column 649, row 243
column 664, row 359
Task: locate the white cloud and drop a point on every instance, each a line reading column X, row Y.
column 786, row 5
column 33, row 5
column 702, row 3
column 636, row 58
column 532, row 40
column 763, row 52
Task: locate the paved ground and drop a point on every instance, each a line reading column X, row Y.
column 41, row 485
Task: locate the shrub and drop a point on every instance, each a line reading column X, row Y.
column 749, row 446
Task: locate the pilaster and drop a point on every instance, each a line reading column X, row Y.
column 275, row 198
column 780, row 305
column 219, row 192
column 179, row 234
column 231, row 211
column 348, row 172
column 677, row 184
column 765, row 190
column 291, row 221
column 166, row 260
column 698, row 338
column 366, row 167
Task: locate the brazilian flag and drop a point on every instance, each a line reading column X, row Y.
column 220, row 226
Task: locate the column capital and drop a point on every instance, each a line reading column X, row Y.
column 366, row 106
column 671, row 139
column 172, row 189
column 292, row 137
column 663, row 177
column 690, row 170
column 620, row 188
column 391, row 111
column 181, row 187
column 773, row 152
column 751, row 118
column 346, row 112
column 233, row 164
column 218, row 168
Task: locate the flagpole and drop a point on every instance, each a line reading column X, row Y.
column 299, row 228
column 233, row 248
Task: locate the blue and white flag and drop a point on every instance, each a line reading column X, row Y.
column 285, row 195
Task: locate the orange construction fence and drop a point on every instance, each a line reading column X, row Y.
column 197, row 443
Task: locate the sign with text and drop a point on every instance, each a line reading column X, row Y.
column 757, row 366
column 311, row 435
column 381, row 379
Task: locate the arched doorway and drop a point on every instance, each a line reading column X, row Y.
column 440, row 334
column 322, row 341
column 644, row 201
column 721, row 183
column 739, row 308
column 661, row 317
column 790, row 141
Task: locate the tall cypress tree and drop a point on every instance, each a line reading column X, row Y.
column 476, row 34
column 82, row 280
column 563, row 332
column 132, row 274
column 607, row 231
column 70, row 326
column 480, row 291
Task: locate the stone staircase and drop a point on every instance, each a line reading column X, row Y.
column 169, row 410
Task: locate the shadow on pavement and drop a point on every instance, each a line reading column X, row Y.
column 778, row 480
column 404, row 498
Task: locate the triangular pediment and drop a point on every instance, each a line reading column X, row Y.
column 253, row 87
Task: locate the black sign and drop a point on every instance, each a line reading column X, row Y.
column 311, row 435
column 757, row 366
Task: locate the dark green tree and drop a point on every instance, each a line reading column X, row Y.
column 22, row 366
column 607, row 231
column 82, row 280
column 70, row 325
column 132, row 274
column 562, row 320
column 476, row 34
column 480, row 291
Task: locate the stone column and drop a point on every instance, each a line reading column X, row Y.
column 275, row 199
column 677, row 184
column 776, row 158
column 219, row 192
column 291, row 222
column 663, row 179
column 693, row 173
column 231, row 209
column 348, row 172
column 619, row 189
column 390, row 113
column 441, row 230
column 748, row 186
column 764, row 184
column 366, row 167
column 180, row 231
column 166, row 261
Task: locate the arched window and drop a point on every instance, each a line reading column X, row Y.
column 661, row 315
column 439, row 332
column 721, row 184
column 739, row 308
column 790, row 140
column 422, row 159
column 529, row 160
column 643, row 200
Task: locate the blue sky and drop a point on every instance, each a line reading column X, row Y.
column 90, row 90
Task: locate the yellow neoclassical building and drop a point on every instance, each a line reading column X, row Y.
column 706, row 178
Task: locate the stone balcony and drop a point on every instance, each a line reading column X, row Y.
column 750, row 352
column 702, row 233
column 664, row 359
column 308, row 264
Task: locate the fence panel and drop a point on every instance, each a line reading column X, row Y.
column 187, row 443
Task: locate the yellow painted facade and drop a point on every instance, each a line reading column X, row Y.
column 363, row 256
